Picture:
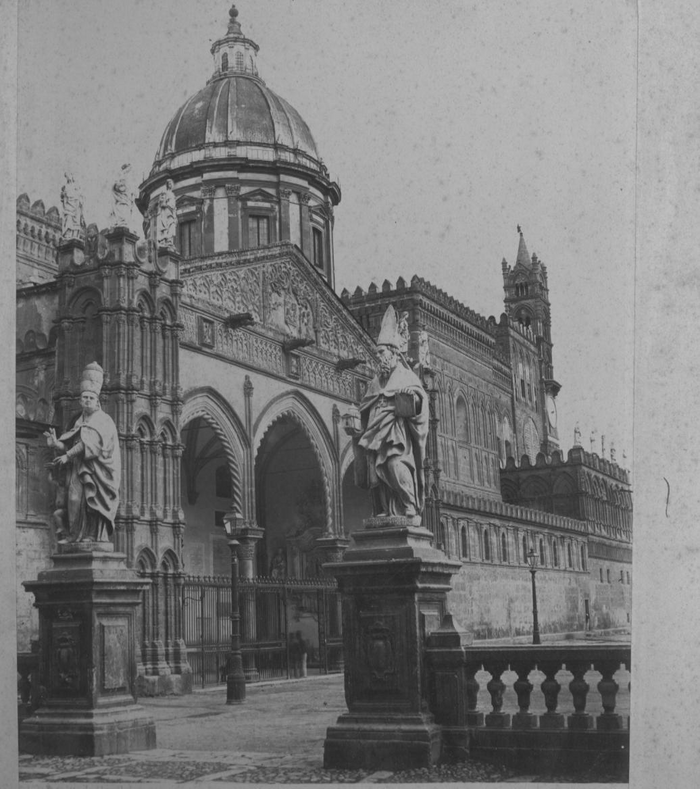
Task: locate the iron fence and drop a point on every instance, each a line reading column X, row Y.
column 277, row 618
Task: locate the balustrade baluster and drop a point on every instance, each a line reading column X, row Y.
column 608, row 720
column 474, row 718
column 550, row 689
column 523, row 719
column 580, row 719
column 496, row 687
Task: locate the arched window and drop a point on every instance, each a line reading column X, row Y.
column 583, row 557
column 569, row 556
column 555, row 553
column 224, row 62
column 542, row 552
column 504, row 547
column 442, row 542
column 465, row 547
column 239, row 61
column 487, row 546
column 524, row 548
column 462, row 426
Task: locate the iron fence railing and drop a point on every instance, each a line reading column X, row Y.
column 278, row 616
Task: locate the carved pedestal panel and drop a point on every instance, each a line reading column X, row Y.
column 87, row 606
column 394, row 586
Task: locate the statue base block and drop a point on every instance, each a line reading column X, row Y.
column 394, row 585
column 382, row 742
column 87, row 633
column 87, row 733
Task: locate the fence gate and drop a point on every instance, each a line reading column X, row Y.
column 274, row 615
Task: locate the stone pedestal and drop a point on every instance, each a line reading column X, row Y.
column 394, row 586
column 87, row 610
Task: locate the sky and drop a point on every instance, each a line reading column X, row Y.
column 447, row 123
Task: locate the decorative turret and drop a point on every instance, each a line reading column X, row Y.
column 243, row 166
column 234, row 53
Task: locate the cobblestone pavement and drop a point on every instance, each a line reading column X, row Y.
column 276, row 736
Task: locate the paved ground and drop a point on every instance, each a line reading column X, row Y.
column 275, row 737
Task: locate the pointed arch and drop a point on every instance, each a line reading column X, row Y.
column 207, row 403
column 295, row 406
column 169, row 561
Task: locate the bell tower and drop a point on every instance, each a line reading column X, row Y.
column 527, row 306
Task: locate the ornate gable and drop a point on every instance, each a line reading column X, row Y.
column 289, row 302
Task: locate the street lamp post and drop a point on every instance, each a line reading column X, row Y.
column 532, row 561
column 235, row 679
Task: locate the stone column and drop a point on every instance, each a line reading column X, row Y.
column 208, row 220
column 87, row 618
column 285, row 194
column 234, row 218
column 248, row 537
column 394, row 587
column 306, row 241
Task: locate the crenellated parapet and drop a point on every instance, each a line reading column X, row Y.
column 38, row 234
column 584, row 486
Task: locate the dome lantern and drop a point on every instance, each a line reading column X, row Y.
column 234, row 53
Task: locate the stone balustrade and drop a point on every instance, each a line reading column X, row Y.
column 530, row 706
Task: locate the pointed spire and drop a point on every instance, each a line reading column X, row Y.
column 523, row 257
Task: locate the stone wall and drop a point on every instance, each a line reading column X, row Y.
column 496, row 602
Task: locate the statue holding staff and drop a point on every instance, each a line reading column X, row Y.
column 89, row 454
column 391, row 429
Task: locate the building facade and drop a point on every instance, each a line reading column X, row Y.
column 230, row 360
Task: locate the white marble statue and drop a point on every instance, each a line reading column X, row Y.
column 72, row 204
column 122, row 199
column 167, row 217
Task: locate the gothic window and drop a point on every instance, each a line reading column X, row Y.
column 462, row 430
column 465, row 546
column 224, row 62
column 504, row 548
column 318, row 248
column 532, row 440
column 442, row 543
column 239, row 61
column 223, row 482
column 258, row 231
column 186, row 231
column 487, row 546
column 475, row 422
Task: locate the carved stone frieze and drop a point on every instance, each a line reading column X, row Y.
column 235, row 291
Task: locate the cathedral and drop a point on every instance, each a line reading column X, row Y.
column 229, row 363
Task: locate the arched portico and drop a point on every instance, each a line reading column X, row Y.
column 297, row 497
column 216, row 478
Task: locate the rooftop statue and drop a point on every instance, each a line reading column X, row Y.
column 122, row 199
column 390, row 432
column 90, row 457
column 167, row 217
column 72, row 203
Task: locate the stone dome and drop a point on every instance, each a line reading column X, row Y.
column 236, row 115
column 241, row 109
